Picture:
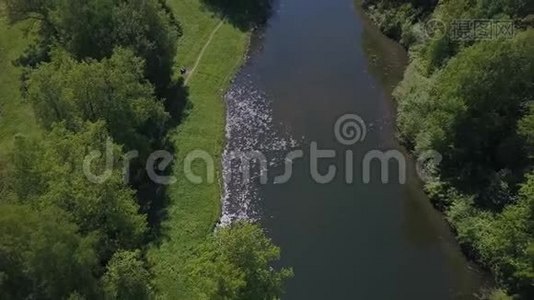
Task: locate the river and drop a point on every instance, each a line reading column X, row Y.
column 313, row 63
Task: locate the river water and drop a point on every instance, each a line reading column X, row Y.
column 314, row 62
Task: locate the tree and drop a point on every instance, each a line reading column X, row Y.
column 112, row 90
column 470, row 99
column 236, row 264
column 18, row 10
column 93, row 29
column 512, row 8
column 472, row 110
column 152, row 32
column 126, row 277
column 525, row 128
column 42, row 256
column 52, row 175
column 507, row 244
column 502, row 241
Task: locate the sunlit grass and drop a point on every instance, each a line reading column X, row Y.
column 194, row 209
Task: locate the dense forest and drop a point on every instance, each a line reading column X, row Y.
column 97, row 70
column 469, row 97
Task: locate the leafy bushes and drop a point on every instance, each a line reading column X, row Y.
column 127, row 277
column 397, row 18
column 472, row 125
column 235, row 264
column 93, row 29
column 113, row 90
column 502, row 241
column 52, row 175
column 471, row 101
column 395, row 23
column 43, row 256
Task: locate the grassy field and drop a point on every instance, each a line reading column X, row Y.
column 194, row 209
column 15, row 115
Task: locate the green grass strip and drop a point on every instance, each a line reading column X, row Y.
column 194, row 209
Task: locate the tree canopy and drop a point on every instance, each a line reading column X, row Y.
column 50, row 173
column 112, row 90
column 126, row 277
column 471, row 100
column 474, row 126
column 236, row 264
column 93, row 29
column 42, row 255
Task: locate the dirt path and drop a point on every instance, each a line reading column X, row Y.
column 212, row 34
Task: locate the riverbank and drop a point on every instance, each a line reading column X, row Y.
column 192, row 209
column 483, row 192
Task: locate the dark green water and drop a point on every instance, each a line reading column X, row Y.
column 316, row 61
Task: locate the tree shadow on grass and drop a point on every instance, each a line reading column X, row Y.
column 156, row 210
column 176, row 103
column 152, row 196
column 243, row 14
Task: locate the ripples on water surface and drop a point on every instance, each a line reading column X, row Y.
column 249, row 128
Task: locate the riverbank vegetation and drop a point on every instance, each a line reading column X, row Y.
column 80, row 76
column 196, row 208
column 470, row 99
